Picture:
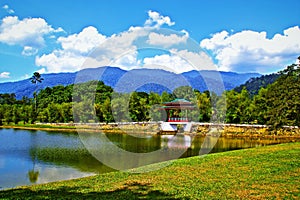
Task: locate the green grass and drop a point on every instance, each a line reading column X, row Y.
column 271, row 172
column 43, row 126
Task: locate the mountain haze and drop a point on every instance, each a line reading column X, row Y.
column 145, row 80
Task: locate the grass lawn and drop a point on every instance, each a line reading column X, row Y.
column 271, row 172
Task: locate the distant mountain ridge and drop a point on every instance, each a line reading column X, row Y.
column 145, row 80
column 253, row 85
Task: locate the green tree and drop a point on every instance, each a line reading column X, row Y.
column 283, row 98
column 166, row 97
column 102, row 92
column 120, row 107
column 107, row 111
column 8, row 98
column 1, row 115
column 36, row 78
column 260, row 106
column 139, row 106
column 155, row 114
column 232, row 101
column 184, row 92
column 244, row 107
column 8, row 113
column 204, row 107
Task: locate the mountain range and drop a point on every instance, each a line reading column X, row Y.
column 145, row 80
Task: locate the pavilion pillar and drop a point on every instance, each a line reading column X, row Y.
column 168, row 114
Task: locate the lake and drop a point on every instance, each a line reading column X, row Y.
column 33, row 157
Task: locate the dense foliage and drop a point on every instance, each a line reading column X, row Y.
column 277, row 104
column 253, row 85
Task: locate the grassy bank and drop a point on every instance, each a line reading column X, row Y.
column 271, row 172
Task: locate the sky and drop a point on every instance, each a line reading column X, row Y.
column 227, row 35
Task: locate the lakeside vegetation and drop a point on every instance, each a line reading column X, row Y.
column 277, row 104
column 270, row 172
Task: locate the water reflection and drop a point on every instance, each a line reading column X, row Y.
column 28, row 157
column 33, row 174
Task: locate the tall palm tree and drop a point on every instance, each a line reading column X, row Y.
column 36, row 78
column 33, row 174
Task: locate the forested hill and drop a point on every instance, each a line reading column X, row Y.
column 277, row 105
column 254, row 84
column 111, row 76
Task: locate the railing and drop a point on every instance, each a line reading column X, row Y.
column 178, row 119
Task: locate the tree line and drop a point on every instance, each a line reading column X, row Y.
column 277, row 104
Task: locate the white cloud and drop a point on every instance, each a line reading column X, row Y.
column 74, row 52
column 29, row 51
column 180, row 61
column 167, row 62
column 84, row 42
column 5, row 75
column 252, row 51
column 8, row 10
column 198, row 61
column 127, row 61
column 89, row 49
column 167, row 40
column 60, row 61
column 29, row 32
column 157, row 20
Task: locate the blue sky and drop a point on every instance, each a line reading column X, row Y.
column 58, row 36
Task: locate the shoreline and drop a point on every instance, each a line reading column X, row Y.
column 203, row 129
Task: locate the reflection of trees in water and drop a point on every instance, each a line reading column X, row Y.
column 78, row 158
column 33, row 174
column 81, row 159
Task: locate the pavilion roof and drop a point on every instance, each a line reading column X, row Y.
column 178, row 104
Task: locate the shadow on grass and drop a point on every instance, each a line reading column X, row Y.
column 133, row 190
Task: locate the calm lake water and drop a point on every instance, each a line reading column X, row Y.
column 33, row 157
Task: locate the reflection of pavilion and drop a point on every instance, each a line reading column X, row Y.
column 177, row 114
column 176, row 142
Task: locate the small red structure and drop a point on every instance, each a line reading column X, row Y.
column 177, row 110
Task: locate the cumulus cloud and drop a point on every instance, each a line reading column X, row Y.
column 89, row 49
column 74, row 52
column 252, row 51
column 83, row 42
column 167, row 40
column 167, row 62
column 60, row 61
column 8, row 9
column 198, row 60
column 157, row 20
column 127, row 61
column 5, row 75
column 179, row 61
column 28, row 33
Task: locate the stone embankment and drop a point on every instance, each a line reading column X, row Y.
column 197, row 128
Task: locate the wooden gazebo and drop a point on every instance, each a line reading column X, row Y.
column 177, row 110
column 177, row 114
